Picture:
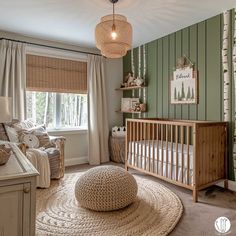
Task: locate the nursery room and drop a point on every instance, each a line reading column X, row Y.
column 117, row 117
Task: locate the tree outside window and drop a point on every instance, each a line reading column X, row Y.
column 57, row 110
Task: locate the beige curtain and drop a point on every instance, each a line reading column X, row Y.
column 98, row 120
column 13, row 75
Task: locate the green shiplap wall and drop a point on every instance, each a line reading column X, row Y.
column 202, row 44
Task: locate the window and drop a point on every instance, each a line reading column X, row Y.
column 56, row 92
column 58, row 110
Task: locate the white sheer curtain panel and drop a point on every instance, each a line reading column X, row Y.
column 98, row 118
column 13, row 75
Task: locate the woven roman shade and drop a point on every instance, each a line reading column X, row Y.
column 49, row 74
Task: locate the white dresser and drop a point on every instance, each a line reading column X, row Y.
column 17, row 196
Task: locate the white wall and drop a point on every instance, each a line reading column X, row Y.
column 76, row 149
column 114, row 75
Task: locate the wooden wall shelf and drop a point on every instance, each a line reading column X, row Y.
column 131, row 88
column 132, row 112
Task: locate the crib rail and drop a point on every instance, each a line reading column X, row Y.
column 191, row 154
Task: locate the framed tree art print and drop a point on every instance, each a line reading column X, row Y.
column 184, row 86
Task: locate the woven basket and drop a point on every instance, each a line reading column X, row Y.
column 117, row 149
column 5, row 154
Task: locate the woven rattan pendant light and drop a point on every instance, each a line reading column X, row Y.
column 113, row 35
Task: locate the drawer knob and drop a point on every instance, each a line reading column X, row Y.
column 26, row 190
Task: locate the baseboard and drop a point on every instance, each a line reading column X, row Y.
column 76, row 161
column 232, row 185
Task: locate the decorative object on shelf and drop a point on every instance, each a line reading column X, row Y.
column 138, row 81
column 140, row 107
column 133, row 102
column 131, row 81
column 183, row 87
column 113, row 35
column 137, row 107
column 118, row 131
column 125, row 104
column 5, row 153
column 143, row 107
column 128, row 104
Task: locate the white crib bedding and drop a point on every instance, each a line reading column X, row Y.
column 141, row 149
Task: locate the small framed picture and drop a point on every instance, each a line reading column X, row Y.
column 128, row 104
column 133, row 102
column 125, row 104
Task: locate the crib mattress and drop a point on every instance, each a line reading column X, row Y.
column 143, row 152
column 153, row 149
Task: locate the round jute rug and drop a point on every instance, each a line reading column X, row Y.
column 156, row 211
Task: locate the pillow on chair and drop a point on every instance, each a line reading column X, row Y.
column 35, row 137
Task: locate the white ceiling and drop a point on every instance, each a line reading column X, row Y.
column 73, row 21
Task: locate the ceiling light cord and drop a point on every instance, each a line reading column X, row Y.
column 113, row 26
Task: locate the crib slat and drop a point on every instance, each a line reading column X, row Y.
column 148, row 137
column 145, row 145
column 138, row 138
column 182, row 153
column 153, row 137
column 167, row 151
column 162, row 149
column 141, row 147
column 157, row 149
column 176, row 152
column 188, row 168
column 131, row 140
column 134, row 141
column 171, row 152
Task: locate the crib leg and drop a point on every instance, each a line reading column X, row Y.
column 195, row 195
column 226, row 184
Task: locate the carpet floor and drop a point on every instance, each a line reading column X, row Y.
column 198, row 218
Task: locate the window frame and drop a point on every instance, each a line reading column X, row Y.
column 61, row 54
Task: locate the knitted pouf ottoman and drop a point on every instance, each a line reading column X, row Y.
column 106, row 188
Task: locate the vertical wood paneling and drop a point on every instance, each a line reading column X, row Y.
column 185, row 51
column 160, row 78
column 178, row 53
column 172, row 63
column 127, row 63
column 136, row 62
column 152, row 79
column 165, row 79
column 193, row 55
column 201, row 62
column 213, row 69
column 126, row 70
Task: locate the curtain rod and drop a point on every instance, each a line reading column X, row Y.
column 43, row 45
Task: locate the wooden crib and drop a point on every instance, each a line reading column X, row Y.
column 191, row 154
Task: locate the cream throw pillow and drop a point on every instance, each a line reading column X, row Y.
column 35, row 137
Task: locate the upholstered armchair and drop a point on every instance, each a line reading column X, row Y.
column 45, row 152
column 59, row 142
